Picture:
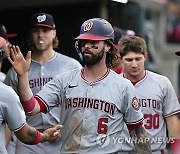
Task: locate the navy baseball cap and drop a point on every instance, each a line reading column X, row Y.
column 4, row 34
column 177, row 52
column 42, row 20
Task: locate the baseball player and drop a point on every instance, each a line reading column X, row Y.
column 12, row 113
column 118, row 33
column 157, row 98
column 4, row 51
column 46, row 64
column 92, row 112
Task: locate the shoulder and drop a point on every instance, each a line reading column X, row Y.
column 7, row 91
column 68, row 60
column 68, row 74
column 119, row 79
column 157, row 77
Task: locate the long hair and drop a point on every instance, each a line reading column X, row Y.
column 111, row 55
column 31, row 46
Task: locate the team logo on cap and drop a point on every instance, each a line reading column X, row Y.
column 88, row 26
column 135, row 103
column 41, row 18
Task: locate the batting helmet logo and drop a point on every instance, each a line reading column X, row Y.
column 88, row 26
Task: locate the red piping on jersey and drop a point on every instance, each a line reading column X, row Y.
column 99, row 79
column 134, row 82
column 133, row 126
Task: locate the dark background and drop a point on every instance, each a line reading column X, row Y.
column 68, row 19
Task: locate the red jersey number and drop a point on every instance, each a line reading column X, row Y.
column 152, row 121
column 102, row 125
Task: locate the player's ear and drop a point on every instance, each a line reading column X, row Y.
column 107, row 47
column 145, row 56
column 54, row 33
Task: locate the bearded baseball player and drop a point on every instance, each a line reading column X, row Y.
column 46, row 63
column 13, row 115
column 92, row 112
column 157, row 98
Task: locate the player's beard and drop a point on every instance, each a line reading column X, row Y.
column 92, row 59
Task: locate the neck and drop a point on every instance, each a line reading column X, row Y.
column 42, row 57
column 135, row 78
column 93, row 73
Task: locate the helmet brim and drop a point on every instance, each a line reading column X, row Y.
column 91, row 37
column 2, row 42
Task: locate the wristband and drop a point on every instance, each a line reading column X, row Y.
column 37, row 139
column 175, row 146
column 28, row 105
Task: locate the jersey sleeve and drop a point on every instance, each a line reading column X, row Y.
column 51, row 93
column 131, row 108
column 171, row 104
column 12, row 110
column 11, row 79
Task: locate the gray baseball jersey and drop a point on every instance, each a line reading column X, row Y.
column 157, row 100
column 11, row 112
column 39, row 75
column 92, row 114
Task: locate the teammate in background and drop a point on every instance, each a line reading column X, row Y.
column 92, row 112
column 12, row 113
column 118, row 33
column 5, row 50
column 45, row 65
column 157, row 98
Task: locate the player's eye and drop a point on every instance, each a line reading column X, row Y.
column 92, row 44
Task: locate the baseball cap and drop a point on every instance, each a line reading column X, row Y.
column 42, row 20
column 177, row 52
column 119, row 32
column 4, row 34
column 96, row 29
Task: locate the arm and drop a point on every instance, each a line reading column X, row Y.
column 173, row 126
column 8, row 135
column 21, row 66
column 140, row 140
column 30, row 135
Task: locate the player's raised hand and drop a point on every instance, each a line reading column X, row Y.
column 17, row 60
column 52, row 134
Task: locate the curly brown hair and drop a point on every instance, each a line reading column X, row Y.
column 111, row 56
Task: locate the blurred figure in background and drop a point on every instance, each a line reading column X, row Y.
column 118, row 33
column 173, row 28
column 5, row 50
